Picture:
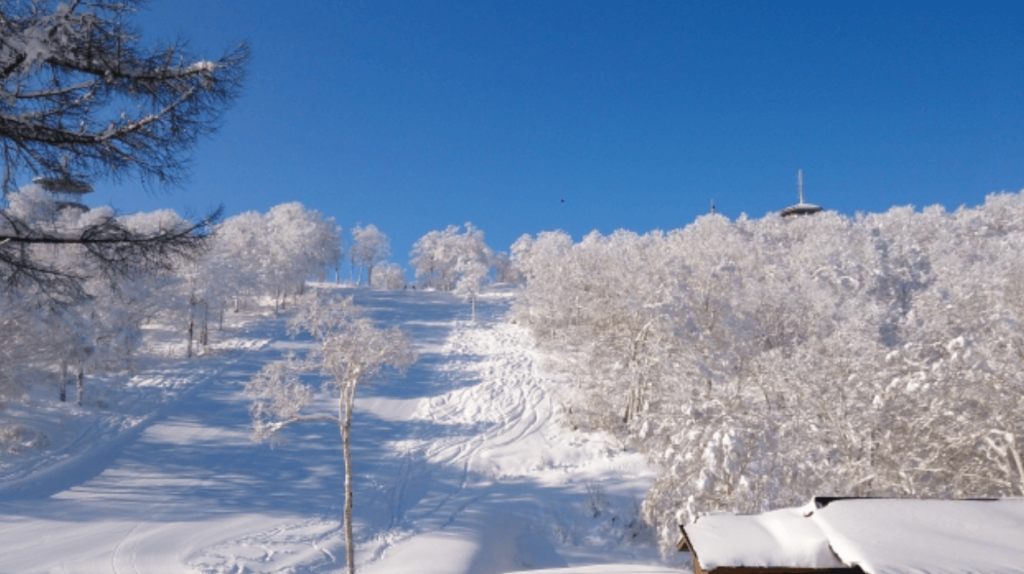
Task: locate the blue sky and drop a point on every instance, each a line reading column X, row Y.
column 416, row 115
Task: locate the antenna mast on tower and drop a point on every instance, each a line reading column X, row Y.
column 800, row 208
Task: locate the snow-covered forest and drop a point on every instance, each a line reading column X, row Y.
column 562, row 403
column 49, row 336
column 69, row 312
column 459, row 466
column 752, row 363
column 759, row 362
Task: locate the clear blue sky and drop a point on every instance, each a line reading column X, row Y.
column 416, row 115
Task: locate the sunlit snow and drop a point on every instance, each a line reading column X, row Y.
column 461, row 465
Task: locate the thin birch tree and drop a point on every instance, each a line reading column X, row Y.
column 350, row 350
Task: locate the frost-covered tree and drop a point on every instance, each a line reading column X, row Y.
column 431, row 261
column 272, row 254
column 389, row 276
column 441, row 258
column 504, row 270
column 17, row 349
column 350, row 352
column 370, row 247
column 37, row 238
column 549, row 268
column 82, row 95
column 473, row 274
column 94, row 326
column 237, row 256
column 188, row 290
column 300, row 244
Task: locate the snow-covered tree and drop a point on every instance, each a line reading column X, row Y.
column 370, row 247
column 504, row 270
column 350, row 351
column 549, row 268
column 389, row 276
column 431, row 261
column 96, row 325
column 36, row 239
column 272, row 255
column 473, row 274
column 83, row 97
column 440, row 258
column 237, row 256
column 300, row 244
column 83, row 94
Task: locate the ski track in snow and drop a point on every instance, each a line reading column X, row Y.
column 461, row 467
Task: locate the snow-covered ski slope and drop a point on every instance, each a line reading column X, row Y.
column 461, row 467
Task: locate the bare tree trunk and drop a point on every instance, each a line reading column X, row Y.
column 204, row 331
column 81, row 381
column 191, row 330
column 63, row 381
column 345, row 403
column 1017, row 459
column 629, row 408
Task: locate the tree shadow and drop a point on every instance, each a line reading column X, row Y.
column 195, row 462
column 199, row 449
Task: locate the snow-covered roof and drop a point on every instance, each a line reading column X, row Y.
column 800, row 209
column 780, row 538
column 881, row 536
column 65, row 184
column 906, row 536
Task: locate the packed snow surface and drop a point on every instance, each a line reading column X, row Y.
column 461, row 465
column 780, row 538
column 887, row 536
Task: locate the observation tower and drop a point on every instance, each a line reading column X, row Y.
column 800, row 208
column 67, row 190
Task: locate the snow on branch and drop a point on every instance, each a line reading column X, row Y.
column 106, row 246
column 80, row 92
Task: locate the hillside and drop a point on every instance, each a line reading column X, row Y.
column 461, row 465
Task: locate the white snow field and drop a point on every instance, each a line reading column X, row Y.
column 461, row 466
